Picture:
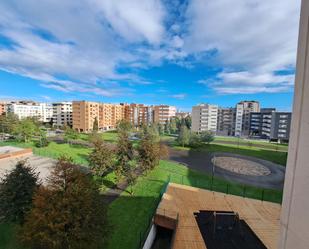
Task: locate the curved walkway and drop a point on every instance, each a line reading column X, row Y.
column 202, row 161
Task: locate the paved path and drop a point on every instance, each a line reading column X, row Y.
column 201, row 161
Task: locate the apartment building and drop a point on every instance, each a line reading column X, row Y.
column 84, row 115
column 226, row 120
column 163, row 113
column 46, row 112
column 138, row 114
column 110, row 115
column 2, row 107
column 204, row 118
column 62, row 114
column 269, row 124
column 242, row 116
column 23, row 109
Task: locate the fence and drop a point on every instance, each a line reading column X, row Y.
column 217, row 185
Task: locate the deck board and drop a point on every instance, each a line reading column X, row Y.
column 262, row 217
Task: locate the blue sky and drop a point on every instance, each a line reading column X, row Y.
column 169, row 51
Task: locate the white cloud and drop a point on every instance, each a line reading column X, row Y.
column 257, row 37
column 78, row 43
column 179, row 96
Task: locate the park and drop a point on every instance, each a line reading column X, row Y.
column 252, row 169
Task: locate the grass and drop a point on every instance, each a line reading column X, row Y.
column 252, row 142
column 133, row 213
column 54, row 150
column 278, row 157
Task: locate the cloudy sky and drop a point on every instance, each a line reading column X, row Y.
column 152, row 51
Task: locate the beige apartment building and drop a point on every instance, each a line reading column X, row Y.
column 110, row 115
column 2, row 108
column 84, row 115
column 163, row 113
column 138, row 114
column 204, row 118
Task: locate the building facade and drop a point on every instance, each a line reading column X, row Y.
column 204, row 118
column 163, row 113
column 62, row 114
column 84, row 115
column 3, row 106
column 139, row 114
column 24, row 109
column 110, row 115
column 225, row 124
column 270, row 125
column 242, row 116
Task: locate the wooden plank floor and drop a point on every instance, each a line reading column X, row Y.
column 262, row 217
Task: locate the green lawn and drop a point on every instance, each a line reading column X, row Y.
column 252, row 142
column 78, row 153
column 278, row 157
column 129, row 215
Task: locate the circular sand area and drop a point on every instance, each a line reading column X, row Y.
column 241, row 166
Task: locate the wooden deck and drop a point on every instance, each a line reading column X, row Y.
column 183, row 201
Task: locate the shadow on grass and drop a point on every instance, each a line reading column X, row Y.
column 130, row 218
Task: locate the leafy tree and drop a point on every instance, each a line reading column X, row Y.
column 101, row 158
column 173, row 126
column 95, row 125
column 149, row 151
column 167, row 127
column 131, row 177
column 184, row 136
column 8, row 122
column 195, row 140
column 124, row 126
column 67, row 213
column 16, row 192
column 207, row 136
column 26, row 129
column 70, row 134
column 188, row 121
column 124, row 152
column 160, row 129
column 43, row 141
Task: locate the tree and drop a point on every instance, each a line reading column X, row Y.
column 124, row 152
column 173, row 126
column 95, row 125
column 195, row 140
column 67, row 213
column 167, row 127
column 149, row 151
column 184, row 136
column 131, row 177
column 124, row 125
column 26, row 129
column 43, row 141
column 188, row 121
column 8, row 122
column 16, row 192
column 70, row 134
column 160, row 129
column 101, row 158
column 207, row 137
